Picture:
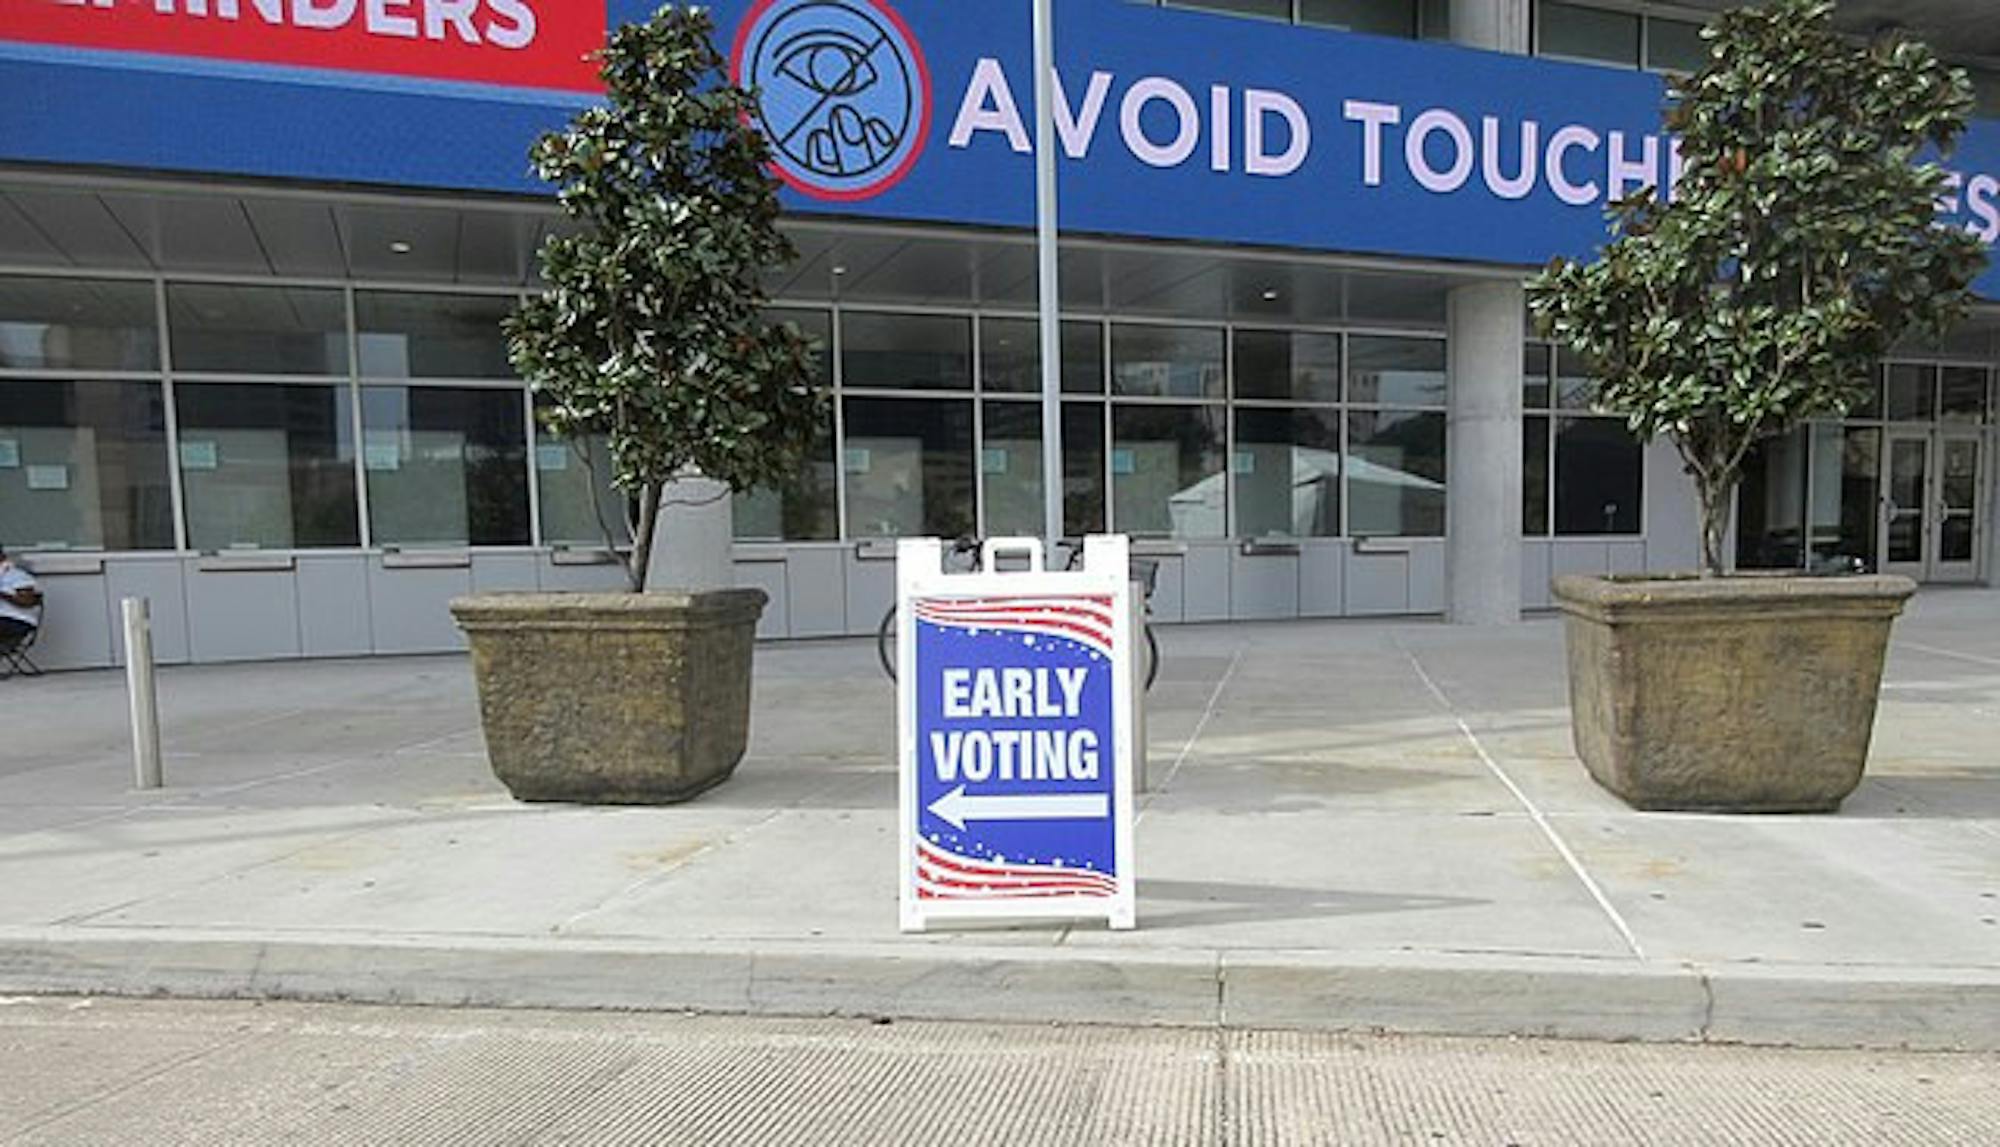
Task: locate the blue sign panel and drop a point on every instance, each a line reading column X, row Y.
column 1016, row 793
column 1171, row 124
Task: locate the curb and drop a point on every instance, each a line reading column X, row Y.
column 1472, row 995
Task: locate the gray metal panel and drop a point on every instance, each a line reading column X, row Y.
column 871, row 590
column 333, row 605
column 1167, row 596
column 1535, row 574
column 500, row 573
column 1320, row 567
column 76, row 622
column 409, row 608
column 1378, row 583
column 1628, row 557
column 1427, row 577
column 1205, row 582
column 243, row 615
column 816, row 591
column 1579, row 557
column 768, row 576
column 1263, row 587
column 158, row 580
column 606, row 578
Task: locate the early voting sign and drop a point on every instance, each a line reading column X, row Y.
column 1014, row 698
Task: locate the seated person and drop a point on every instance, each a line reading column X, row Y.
column 19, row 595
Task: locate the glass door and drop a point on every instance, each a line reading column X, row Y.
column 1959, row 479
column 1905, row 505
column 1932, row 505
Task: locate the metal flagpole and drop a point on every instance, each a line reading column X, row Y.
column 1045, row 258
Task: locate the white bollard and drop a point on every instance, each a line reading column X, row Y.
column 145, row 700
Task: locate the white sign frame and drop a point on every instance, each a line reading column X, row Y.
column 1105, row 573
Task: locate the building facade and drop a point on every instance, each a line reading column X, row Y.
column 253, row 256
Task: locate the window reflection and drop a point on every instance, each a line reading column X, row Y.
column 908, row 466
column 267, row 466
column 83, row 465
column 1288, row 473
column 257, row 330
column 1166, row 471
column 1395, row 479
column 446, row 466
column 79, row 324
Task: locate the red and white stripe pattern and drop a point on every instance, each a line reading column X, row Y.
column 1083, row 618
column 945, row 875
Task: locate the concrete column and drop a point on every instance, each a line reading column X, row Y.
column 1488, row 331
column 1495, row 25
column 693, row 543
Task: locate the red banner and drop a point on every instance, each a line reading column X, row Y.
column 515, row 43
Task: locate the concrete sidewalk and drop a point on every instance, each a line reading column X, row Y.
column 1354, row 825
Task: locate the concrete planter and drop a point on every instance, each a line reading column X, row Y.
column 614, row 698
column 1747, row 694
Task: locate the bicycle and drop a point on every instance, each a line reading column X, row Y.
column 965, row 552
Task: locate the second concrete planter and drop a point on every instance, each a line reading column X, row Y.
column 616, row 698
column 1750, row 694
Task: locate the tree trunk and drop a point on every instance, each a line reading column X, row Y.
column 637, row 565
column 1714, row 497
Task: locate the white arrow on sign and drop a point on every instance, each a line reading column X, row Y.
column 955, row 808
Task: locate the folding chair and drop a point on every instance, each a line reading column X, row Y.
column 14, row 657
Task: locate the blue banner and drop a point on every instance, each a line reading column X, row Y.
column 1172, row 124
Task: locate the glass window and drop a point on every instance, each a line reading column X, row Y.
column 1675, row 46
column 446, row 466
column 816, row 325
column 1382, row 17
column 1576, row 387
column 1011, row 462
column 1273, row 9
column 1912, row 392
column 410, row 335
column 1581, row 33
column 1293, row 365
column 267, row 466
column 805, row 510
column 257, row 330
column 1847, row 476
column 1395, row 474
column 79, row 324
column 571, row 474
column 1600, row 471
column 906, row 352
column 1535, row 477
column 1010, row 357
column 909, row 467
column 1396, row 371
column 1436, row 19
column 1535, row 376
column 1287, row 469
column 1166, row 362
column 83, row 465
column 1986, row 85
column 1964, row 394
column 1771, row 503
column 1166, row 471
column 1870, row 405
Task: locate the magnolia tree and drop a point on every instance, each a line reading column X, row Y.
column 1801, row 242
column 651, row 333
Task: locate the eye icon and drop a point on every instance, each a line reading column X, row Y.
column 843, row 93
column 834, row 66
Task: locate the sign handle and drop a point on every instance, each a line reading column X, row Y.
column 994, row 547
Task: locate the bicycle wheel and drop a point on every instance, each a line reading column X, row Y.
column 1152, row 658
column 885, row 643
